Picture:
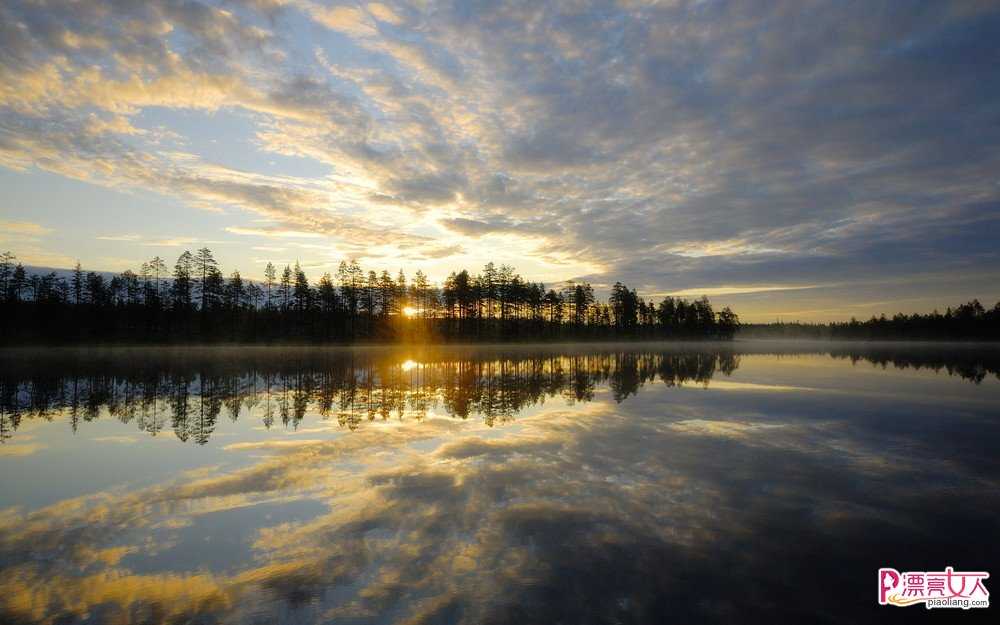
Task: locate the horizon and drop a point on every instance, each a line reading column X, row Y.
column 797, row 164
column 601, row 290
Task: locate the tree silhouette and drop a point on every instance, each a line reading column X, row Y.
column 6, row 272
column 497, row 304
column 969, row 321
column 285, row 287
column 301, row 292
column 159, row 269
column 270, row 275
column 422, row 293
column 181, row 288
column 205, row 266
column 77, row 284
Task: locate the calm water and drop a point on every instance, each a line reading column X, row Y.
column 750, row 482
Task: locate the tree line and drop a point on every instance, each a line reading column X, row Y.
column 194, row 301
column 969, row 321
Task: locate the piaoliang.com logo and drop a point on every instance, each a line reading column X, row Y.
column 935, row 589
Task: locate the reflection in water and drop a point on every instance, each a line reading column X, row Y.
column 188, row 396
column 753, row 498
column 967, row 362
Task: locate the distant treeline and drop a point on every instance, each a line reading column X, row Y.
column 194, row 302
column 970, row 321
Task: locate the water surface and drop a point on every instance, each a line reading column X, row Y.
column 651, row 483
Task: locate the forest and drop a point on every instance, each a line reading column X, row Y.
column 966, row 322
column 194, row 302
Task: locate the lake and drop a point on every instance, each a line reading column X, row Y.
column 639, row 483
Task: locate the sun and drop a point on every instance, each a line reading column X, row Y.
column 409, row 311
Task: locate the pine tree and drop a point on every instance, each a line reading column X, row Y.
column 181, row 287
column 270, row 275
column 235, row 292
column 159, row 268
column 301, row 292
column 388, row 300
column 204, row 265
column 6, row 271
column 327, row 295
column 421, row 287
column 76, row 283
column 286, row 287
column 18, row 282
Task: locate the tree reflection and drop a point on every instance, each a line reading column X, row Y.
column 352, row 390
column 352, row 387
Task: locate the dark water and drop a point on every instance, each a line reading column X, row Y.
column 748, row 482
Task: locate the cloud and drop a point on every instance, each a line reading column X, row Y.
column 19, row 450
column 346, row 19
column 124, row 440
column 573, row 512
column 22, row 229
column 443, row 251
column 737, row 290
column 271, row 445
column 38, row 256
column 121, row 237
column 145, row 241
column 384, row 13
column 173, row 242
column 674, row 146
column 274, row 233
column 476, row 229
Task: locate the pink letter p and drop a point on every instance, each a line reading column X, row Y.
column 883, row 574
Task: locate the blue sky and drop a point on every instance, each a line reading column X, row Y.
column 796, row 160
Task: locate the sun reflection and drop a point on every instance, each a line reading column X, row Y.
column 408, row 365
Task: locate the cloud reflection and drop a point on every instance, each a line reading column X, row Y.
column 673, row 504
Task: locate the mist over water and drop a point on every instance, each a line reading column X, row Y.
column 627, row 483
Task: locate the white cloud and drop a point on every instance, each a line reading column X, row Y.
column 711, row 149
column 276, row 234
column 739, row 290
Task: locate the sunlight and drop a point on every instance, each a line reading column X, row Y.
column 409, row 311
column 409, row 365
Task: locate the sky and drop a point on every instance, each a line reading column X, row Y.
column 795, row 160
